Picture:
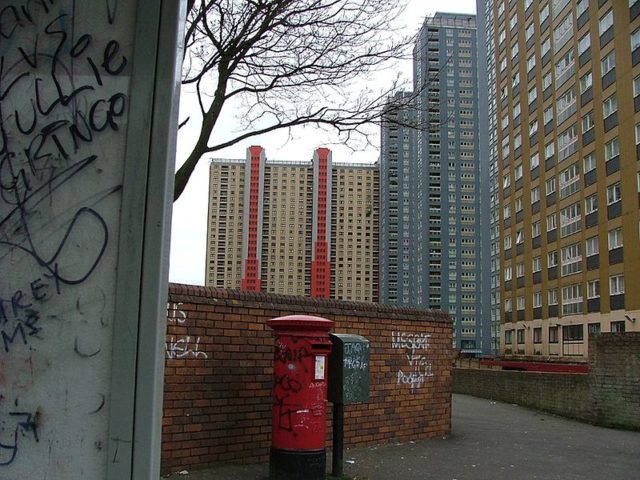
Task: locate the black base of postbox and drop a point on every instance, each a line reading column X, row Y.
column 297, row 465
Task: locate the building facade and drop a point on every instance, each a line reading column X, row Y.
column 295, row 228
column 431, row 224
column 563, row 116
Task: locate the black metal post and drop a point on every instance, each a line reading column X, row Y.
column 338, row 439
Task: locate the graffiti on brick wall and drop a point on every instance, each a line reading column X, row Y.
column 185, row 346
column 419, row 368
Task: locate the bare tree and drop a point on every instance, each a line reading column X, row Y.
column 286, row 63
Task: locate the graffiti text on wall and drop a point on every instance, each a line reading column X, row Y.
column 420, row 368
column 62, row 102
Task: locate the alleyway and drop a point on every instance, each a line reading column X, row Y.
column 489, row 441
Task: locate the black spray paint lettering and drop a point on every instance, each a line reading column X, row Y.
column 20, row 425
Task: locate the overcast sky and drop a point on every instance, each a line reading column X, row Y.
column 189, row 224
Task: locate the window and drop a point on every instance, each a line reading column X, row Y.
column 550, row 185
column 536, row 264
column 591, row 204
column 587, row 122
column 546, row 46
column 552, row 259
column 618, row 327
column 544, row 13
column 570, row 219
column 566, row 105
column 529, row 31
column 516, row 110
column 547, row 80
column 533, row 128
column 564, row 68
column 518, row 204
column 515, row 81
column 507, row 242
column 616, row 285
column 535, row 160
column 591, row 246
column 589, row 162
column 537, row 299
column 507, row 274
column 506, row 211
column 508, row 337
column 514, row 50
column 581, row 7
column 552, row 296
column 584, row 43
column 551, row 222
column 593, row 289
column 519, row 237
column 520, row 334
column 615, row 238
column 573, row 333
column 537, row 332
column 549, row 149
column 535, row 229
column 606, row 22
column 507, row 305
column 611, row 149
column 520, row 269
column 547, row 115
column 586, row 81
column 593, row 327
column 569, row 180
column 636, row 86
column 563, row 32
column 610, row 106
column 635, row 39
column 535, row 194
column 608, row 63
column 572, row 299
column 520, row 304
column 614, row 193
column 532, row 95
column 518, row 172
column 567, row 142
column 553, row 334
column 571, row 259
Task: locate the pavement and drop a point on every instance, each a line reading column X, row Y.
column 489, row 441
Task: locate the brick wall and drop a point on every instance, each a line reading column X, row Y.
column 608, row 395
column 218, row 374
column 614, row 379
column 560, row 393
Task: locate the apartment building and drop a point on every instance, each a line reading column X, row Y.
column 296, row 228
column 563, row 136
column 431, row 223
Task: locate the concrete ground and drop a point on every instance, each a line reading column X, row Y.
column 489, row 441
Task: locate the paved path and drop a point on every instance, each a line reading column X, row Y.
column 489, row 441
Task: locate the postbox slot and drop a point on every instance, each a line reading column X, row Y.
column 321, row 347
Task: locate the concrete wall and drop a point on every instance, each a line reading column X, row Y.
column 608, row 395
column 218, row 374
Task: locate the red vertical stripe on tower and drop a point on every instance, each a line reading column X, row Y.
column 251, row 274
column 320, row 267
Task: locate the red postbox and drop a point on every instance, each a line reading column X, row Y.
column 300, row 368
